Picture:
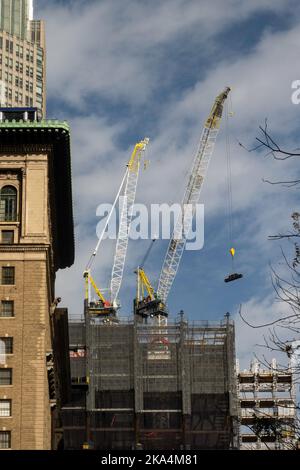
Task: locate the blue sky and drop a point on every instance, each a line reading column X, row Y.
column 119, row 70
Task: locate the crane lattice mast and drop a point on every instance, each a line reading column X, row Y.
column 191, row 197
column 129, row 185
column 125, row 218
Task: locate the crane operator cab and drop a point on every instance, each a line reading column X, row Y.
column 101, row 308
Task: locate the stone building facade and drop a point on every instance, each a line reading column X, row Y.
column 22, row 56
column 36, row 239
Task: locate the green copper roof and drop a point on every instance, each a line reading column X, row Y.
column 44, row 124
column 24, row 136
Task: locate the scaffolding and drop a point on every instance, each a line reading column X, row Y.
column 267, row 407
column 153, row 387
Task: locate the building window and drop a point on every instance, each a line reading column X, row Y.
column 8, row 204
column 7, row 308
column 39, row 77
column 19, row 51
column 8, row 345
column 7, row 237
column 9, row 46
column 5, row 440
column 5, row 408
column 5, row 376
column 8, row 275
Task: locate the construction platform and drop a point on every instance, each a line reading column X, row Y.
column 148, row 387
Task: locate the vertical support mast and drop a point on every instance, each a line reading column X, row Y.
column 125, row 218
column 191, row 197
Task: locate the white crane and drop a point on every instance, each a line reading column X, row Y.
column 129, row 184
column 191, row 197
column 125, row 219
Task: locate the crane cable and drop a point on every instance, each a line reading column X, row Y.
column 229, row 183
column 93, row 255
column 148, row 253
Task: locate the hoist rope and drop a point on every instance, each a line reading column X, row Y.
column 229, row 182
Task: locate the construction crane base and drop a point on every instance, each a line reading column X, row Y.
column 98, row 309
column 150, row 308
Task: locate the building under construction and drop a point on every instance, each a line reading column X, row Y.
column 138, row 386
column 150, row 383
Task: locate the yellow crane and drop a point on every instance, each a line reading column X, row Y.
column 108, row 306
column 146, row 303
column 183, row 224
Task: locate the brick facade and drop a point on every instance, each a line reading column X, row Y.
column 32, row 294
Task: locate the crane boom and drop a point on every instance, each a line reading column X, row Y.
column 144, row 284
column 191, row 197
column 125, row 218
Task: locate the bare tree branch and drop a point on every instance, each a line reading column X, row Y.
column 265, row 324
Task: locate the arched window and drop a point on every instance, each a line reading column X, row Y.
column 8, row 204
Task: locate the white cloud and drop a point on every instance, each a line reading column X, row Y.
column 117, row 52
column 116, row 49
column 259, row 311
